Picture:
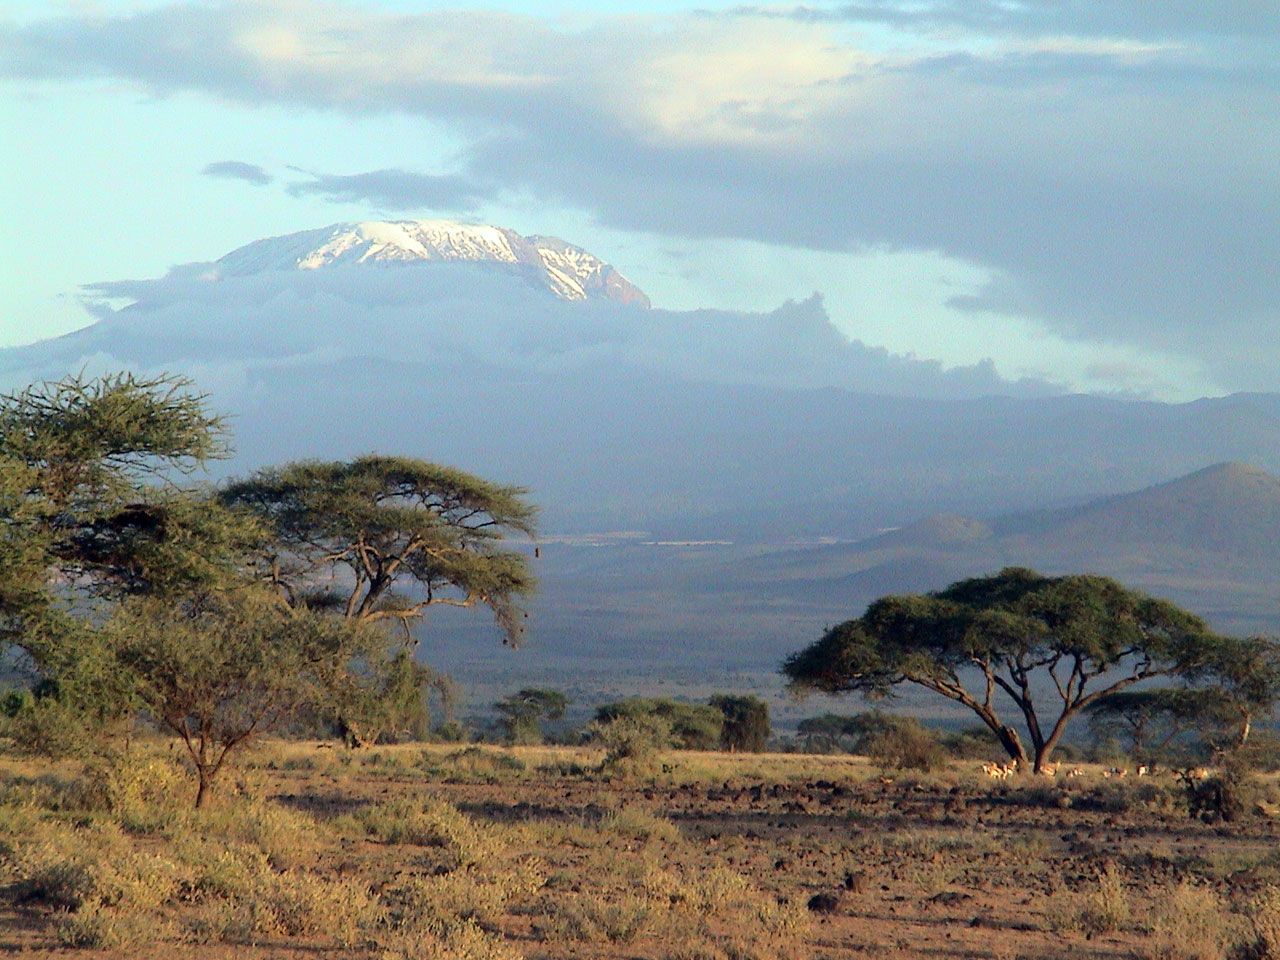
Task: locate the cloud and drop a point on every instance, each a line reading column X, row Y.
column 487, row 317
column 1169, row 19
column 1115, row 170
column 396, row 190
column 236, row 170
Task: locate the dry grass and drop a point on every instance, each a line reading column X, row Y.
column 496, row 853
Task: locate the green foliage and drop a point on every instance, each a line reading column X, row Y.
column 829, row 733
column 382, row 692
column 94, row 436
column 1242, row 680
column 219, row 669
column 631, row 741
column 746, row 723
column 694, row 726
column 389, row 522
column 83, row 704
column 520, row 715
column 126, row 592
column 1149, row 725
column 89, row 515
column 79, row 464
column 892, row 742
column 427, row 822
column 1012, row 634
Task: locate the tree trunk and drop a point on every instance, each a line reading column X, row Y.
column 202, row 791
column 1246, row 726
column 1012, row 744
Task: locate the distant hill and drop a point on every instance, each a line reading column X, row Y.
column 1231, row 509
column 1209, row 540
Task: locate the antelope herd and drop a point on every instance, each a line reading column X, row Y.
column 1002, row 771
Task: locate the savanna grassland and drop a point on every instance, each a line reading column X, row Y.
column 447, row 851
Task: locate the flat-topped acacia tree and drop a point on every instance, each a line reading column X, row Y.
column 1048, row 646
column 348, row 534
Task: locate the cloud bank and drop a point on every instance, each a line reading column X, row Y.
column 1116, row 168
column 481, row 318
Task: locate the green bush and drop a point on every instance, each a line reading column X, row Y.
column 631, row 742
column 693, row 726
column 746, row 723
column 899, row 743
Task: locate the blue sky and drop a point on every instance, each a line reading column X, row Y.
column 1086, row 193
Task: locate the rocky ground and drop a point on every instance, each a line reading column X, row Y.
column 714, row 857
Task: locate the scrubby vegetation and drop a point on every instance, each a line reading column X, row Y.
column 547, row 852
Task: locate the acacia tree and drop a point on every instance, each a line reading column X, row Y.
column 1148, row 722
column 348, row 534
column 127, row 588
column 384, row 692
column 1245, row 675
column 86, row 489
column 90, row 513
column 1242, row 681
column 1065, row 641
column 746, row 722
column 520, row 714
column 221, row 668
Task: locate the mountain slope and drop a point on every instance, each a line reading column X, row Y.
column 771, row 430
column 1229, row 508
column 1209, row 540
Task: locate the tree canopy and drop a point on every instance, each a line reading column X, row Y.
column 348, row 534
column 1015, row 637
column 746, row 722
column 89, row 504
column 693, row 726
column 219, row 669
column 129, row 588
column 520, row 714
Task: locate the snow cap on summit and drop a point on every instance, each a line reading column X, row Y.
column 569, row 272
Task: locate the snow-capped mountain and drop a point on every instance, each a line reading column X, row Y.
column 569, row 272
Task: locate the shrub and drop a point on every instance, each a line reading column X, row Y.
column 464, row 941
column 746, row 722
column 145, row 793
column 631, row 741
column 98, row 926
column 475, row 762
column 973, row 743
column 425, row 822
column 639, row 824
column 1262, row 914
column 297, row 904
column 590, row 917
column 1107, row 906
column 691, row 726
column 1190, row 923
column 899, row 743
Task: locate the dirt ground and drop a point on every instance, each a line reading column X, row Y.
column 874, row 864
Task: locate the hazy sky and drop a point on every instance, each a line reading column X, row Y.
column 1084, row 192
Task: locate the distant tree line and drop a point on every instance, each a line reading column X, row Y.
column 726, row 722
